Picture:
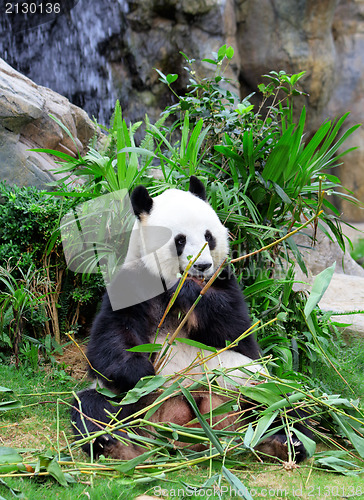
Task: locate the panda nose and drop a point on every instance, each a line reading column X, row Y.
column 202, row 267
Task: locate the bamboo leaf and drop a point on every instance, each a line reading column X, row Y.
column 169, row 391
column 128, row 466
column 356, row 441
column 307, row 442
column 264, row 423
column 319, row 287
column 145, row 386
column 5, row 389
column 260, row 393
column 236, row 484
column 194, row 343
column 55, row 471
column 10, row 405
column 146, row 348
column 9, row 455
column 338, row 464
column 284, row 402
column 248, row 436
column 205, row 426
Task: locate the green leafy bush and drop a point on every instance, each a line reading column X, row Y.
column 47, row 297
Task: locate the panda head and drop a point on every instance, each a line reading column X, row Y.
column 191, row 222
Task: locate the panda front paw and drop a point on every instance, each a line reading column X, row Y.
column 137, row 367
column 188, row 294
column 111, row 447
column 277, row 446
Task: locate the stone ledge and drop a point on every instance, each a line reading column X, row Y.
column 25, row 124
column 345, row 294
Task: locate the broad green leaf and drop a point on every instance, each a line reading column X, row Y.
column 264, row 423
column 211, row 61
column 129, row 466
column 356, row 441
column 10, row 460
column 9, row 455
column 221, row 53
column 307, row 442
column 236, row 484
column 194, row 343
column 171, row 78
column 145, row 386
column 146, row 348
column 319, row 287
column 210, row 433
column 229, row 53
column 55, row 471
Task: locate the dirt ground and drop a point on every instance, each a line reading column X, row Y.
column 74, row 360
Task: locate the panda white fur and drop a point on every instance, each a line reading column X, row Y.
column 221, row 315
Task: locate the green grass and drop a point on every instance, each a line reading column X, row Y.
column 351, row 368
column 299, row 484
column 41, row 425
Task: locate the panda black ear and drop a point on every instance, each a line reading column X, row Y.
column 197, row 188
column 141, row 201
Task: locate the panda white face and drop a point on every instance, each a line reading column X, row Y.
column 194, row 226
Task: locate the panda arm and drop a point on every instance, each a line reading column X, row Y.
column 112, row 334
column 221, row 315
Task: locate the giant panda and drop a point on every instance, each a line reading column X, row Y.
column 220, row 317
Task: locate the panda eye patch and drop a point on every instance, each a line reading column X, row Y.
column 180, row 241
column 210, row 240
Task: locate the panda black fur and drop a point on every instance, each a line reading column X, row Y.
column 219, row 317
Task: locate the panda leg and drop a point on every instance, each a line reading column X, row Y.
column 89, row 415
column 277, row 445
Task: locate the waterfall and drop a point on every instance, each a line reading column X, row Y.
column 65, row 51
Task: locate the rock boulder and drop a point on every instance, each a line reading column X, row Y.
column 25, row 123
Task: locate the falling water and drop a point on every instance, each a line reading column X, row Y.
column 66, row 51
